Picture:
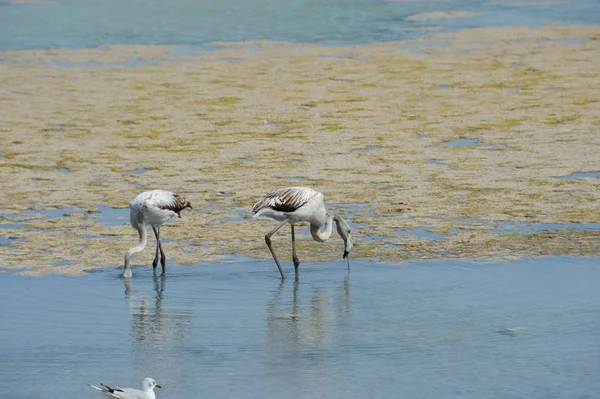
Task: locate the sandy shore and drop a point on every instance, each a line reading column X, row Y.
column 366, row 125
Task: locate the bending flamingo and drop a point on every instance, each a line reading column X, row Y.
column 301, row 204
column 153, row 208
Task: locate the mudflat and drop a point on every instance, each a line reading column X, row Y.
column 470, row 139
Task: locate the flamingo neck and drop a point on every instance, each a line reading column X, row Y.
column 319, row 235
column 143, row 235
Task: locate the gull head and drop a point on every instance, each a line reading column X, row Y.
column 149, row 384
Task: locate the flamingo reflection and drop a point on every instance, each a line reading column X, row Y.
column 151, row 324
column 307, row 322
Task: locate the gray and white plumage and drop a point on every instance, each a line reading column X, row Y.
column 301, row 204
column 156, row 207
column 147, row 391
column 285, row 199
column 152, row 208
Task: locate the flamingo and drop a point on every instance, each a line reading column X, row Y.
column 147, row 391
column 301, row 204
column 153, row 208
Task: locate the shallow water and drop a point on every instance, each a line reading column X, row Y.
column 86, row 23
column 581, row 175
column 418, row 330
column 461, row 143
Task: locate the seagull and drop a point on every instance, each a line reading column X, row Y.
column 147, row 391
column 152, row 208
column 301, row 204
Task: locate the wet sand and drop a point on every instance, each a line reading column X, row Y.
column 367, row 125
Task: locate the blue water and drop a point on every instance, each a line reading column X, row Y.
column 461, row 143
column 87, row 23
column 421, row 232
column 581, row 175
column 524, row 329
column 532, row 228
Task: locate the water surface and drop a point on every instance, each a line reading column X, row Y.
column 88, row 23
column 525, row 329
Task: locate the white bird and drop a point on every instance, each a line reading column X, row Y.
column 301, row 204
column 147, row 391
column 153, row 208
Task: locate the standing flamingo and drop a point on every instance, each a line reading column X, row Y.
column 301, row 204
column 153, row 208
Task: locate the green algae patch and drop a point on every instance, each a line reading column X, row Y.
column 371, row 126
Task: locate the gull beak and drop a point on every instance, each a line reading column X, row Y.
column 157, row 386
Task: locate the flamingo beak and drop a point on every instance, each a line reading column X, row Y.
column 348, row 245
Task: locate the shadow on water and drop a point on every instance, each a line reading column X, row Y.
column 234, row 329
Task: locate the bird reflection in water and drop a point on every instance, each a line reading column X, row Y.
column 303, row 333
column 307, row 324
column 151, row 324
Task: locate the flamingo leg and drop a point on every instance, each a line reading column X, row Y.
column 268, row 241
column 156, row 234
column 163, row 258
column 294, row 256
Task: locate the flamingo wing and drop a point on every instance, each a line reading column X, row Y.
column 285, row 199
column 167, row 200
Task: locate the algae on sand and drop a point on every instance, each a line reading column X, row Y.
column 70, row 140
